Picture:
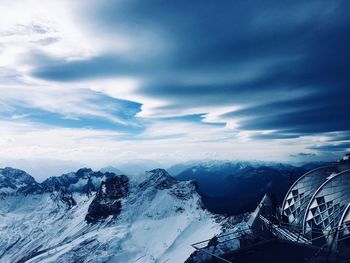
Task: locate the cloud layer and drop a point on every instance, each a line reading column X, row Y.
column 200, row 73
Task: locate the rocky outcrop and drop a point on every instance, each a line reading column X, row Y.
column 107, row 201
column 159, row 178
column 14, row 181
column 106, row 225
column 84, row 180
column 65, row 197
column 345, row 159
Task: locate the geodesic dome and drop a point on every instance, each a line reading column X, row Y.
column 317, row 204
column 326, row 210
column 300, row 193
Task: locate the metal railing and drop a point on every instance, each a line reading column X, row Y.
column 281, row 231
column 204, row 246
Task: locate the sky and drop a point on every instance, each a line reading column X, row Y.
column 106, row 82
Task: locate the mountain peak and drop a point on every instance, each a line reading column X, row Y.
column 346, row 158
column 111, row 169
column 82, row 171
column 160, row 178
column 100, row 227
column 84, row 180
column 14, row 181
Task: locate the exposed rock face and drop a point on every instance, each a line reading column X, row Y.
column 346, row 159
column 184, row 190
column 64, row 223
column 14, row 181
column 65, row 197
column 159, row 178
column 84, row 181
column 108, row 198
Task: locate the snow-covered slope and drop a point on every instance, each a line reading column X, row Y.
column 124, row 221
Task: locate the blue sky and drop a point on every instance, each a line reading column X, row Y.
column 104, row 82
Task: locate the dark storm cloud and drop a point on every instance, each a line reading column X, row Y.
column 341, row 147
column 344, row 136
column 96, row 67
column 274, row 135
column 315, row 114
column 302, row 155
column 287, row 64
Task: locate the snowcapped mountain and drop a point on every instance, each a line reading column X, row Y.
column 83, row 181
column 17, row 181
column 111, row 169
column 225, row 167
column 70, row 219
column 228, row 187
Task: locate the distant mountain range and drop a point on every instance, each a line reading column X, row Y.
column 104, row 216
column 235, row 187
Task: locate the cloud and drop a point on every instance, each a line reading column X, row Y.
column 303, row 155
column 101, row 66
column 342, row 147
column 181, row 73
column 215, row 59
column 167, row 143
column 67, row 107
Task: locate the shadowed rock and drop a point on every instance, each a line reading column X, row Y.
column 107, row 201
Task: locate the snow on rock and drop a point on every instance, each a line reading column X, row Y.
column 14, row 181
column 83, row 181
column 346, row 158
column 154, row 221
column 107, row 201
column 159, row 178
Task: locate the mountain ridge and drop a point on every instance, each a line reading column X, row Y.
column 48, row 227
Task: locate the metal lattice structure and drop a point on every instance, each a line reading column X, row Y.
column 315, row 223
column 300, row 194
column 344, row 230
column 326, row 209
column 318, row 204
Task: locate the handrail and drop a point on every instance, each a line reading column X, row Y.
column 223, row 235
column 294, row 236
column 330, row 231
column 213, row 255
